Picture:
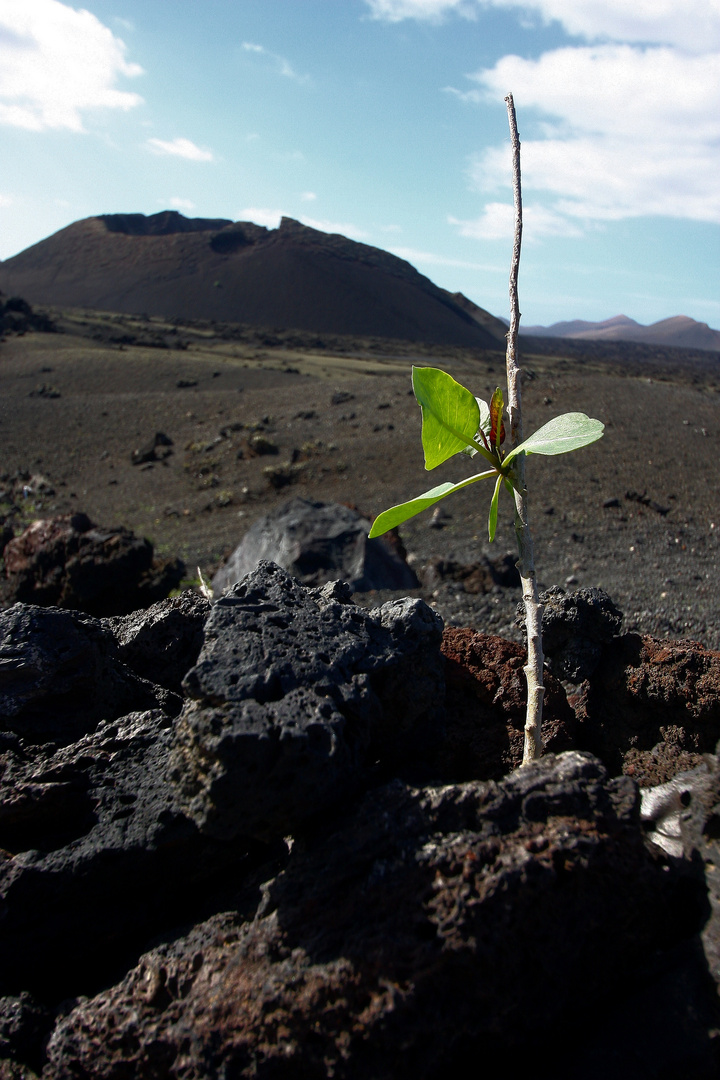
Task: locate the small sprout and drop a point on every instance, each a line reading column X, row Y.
column 205, row 589
column 453, row 421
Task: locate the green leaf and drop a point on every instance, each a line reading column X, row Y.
column 492, row 519
column 450, row 414
column 403, row 511
column 560, row 435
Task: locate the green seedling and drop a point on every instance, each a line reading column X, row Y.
column 456, row 422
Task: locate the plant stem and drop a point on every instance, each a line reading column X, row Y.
column 533, row 746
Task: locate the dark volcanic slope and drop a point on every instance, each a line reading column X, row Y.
column 290, row 277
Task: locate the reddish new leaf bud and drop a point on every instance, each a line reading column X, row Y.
column 497, row 438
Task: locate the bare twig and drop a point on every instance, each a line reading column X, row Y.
column 526, row 565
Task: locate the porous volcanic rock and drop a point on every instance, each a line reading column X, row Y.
column 318, row 542
column 486, row 700
column 69, row 562
column 96, row 858
column 433, row 931
column 298, row 687
column 61, row 674
column 289, row 880
column 162, row 642
column 575, row 626
column 652, row 707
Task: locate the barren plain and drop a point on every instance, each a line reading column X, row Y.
column 256, row 417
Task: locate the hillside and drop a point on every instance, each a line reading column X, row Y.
column 679, row 331
column 215, row 269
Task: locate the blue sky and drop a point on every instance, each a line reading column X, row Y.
column 385, row 120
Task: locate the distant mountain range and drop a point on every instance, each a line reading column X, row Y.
column 292, row 277
column 680, row 331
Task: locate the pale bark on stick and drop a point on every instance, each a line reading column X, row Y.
column 533, row 609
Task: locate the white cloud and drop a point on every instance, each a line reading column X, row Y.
column 430, row 10
column 616, row 88
column 629, row 126
column 183, row 148
column 261, row 216
column 428, row 258
column 271, row 219
column 474, row 96
column 342, row 227
column 693, row 25
column 181, row 204
column 497, row 222
column 630, row 132
column 279, row 63
column 5, row 200
column 56, row 63
column 308, row 196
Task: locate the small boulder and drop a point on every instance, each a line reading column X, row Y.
column 69, row 562
column 156, row 449
column 318, row 542
column 295, row 691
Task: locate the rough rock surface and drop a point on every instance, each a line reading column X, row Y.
column 96, row 858
column 574, row 629
column 486, row 698
column 693, row 801
column 652, row 708
column 69, row 562
column 300, row 687
column 392, row 913
column 162, row 642
column 437, row 929
column 318, row 542
column 61, row 674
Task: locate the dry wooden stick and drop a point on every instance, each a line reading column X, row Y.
column 533, row 746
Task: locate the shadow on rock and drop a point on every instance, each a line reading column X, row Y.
column 652, row 707
column 486, row 700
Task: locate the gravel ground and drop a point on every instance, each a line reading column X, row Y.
column 637, row 513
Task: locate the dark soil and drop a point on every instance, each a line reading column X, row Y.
column 255, row 417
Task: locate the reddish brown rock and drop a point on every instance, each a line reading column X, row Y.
column 486, row 698
column 69, row 562
column 652, row 708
